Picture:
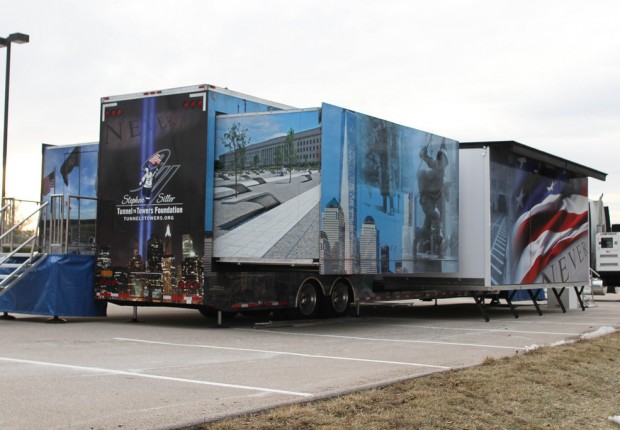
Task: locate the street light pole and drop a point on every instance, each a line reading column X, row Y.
column 13, row 38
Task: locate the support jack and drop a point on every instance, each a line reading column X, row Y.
column 479, row 298
column 56, row 320
column 220, row 320
column 579, row 292
column 533, row 298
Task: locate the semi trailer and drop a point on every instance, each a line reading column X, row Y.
column 206, row 198
column 212, row 199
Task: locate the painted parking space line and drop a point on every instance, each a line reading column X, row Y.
column 148, row 376
column 374, row 339
column 485, row 330
column 295, row 354
column 588, row 323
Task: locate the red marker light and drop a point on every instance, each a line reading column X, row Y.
column 185, row 104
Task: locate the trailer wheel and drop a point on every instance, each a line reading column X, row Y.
column 337, row 303
column 307, row 302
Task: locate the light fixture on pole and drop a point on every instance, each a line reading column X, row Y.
column 6, row 42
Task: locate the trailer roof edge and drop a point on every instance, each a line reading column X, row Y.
column 545, row 157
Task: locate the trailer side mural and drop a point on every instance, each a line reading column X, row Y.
column 539, row 219
column 267, row 187
column 389, row 200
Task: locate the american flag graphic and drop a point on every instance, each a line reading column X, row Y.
column 552, row 214
column 49, row 182
column 155, row 159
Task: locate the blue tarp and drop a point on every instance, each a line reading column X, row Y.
column 522, row 295
column 61, row 285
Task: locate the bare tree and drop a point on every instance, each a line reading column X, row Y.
column 236, row 140
column 290, row 152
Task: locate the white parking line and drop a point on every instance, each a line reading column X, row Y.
column 481, row 329
column 296, row 354
column 533, row 320
column 374, row 339
column 145, row 375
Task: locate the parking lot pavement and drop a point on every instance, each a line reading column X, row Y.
column 175, row 368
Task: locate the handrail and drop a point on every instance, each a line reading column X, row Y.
column 3, row 235
column 68, row 218
column 30, row 240
column 12, row 278
column 53, row 228
column 26, row 242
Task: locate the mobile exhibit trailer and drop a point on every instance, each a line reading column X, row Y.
column 223, row 202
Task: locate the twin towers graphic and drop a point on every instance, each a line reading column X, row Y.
column 343, row 251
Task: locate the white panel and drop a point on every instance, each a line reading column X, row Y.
column 474, row 214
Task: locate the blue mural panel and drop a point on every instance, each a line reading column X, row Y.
column 539, row 222
column 389, row 199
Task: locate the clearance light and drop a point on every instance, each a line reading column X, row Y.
column 192, row 104
column 113, row 112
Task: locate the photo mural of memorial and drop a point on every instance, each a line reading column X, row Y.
column 539, row 222
column 389, row 200
column 267, row 186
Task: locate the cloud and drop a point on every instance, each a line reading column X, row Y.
column 542, row 73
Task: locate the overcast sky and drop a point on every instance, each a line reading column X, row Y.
column 545, row 73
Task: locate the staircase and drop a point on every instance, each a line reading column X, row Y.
column 499, row 247
column 18, row 241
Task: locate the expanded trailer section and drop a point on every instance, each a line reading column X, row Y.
column 330, row 207
column 223, row 202
column 527, row 227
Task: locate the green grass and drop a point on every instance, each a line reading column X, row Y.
column 574, row 386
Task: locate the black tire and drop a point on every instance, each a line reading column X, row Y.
column 337, row 303
column 307, row 303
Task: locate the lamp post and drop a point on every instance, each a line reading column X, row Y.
column 6, row 42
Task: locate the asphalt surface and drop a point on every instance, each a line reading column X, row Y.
column 175, row 368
